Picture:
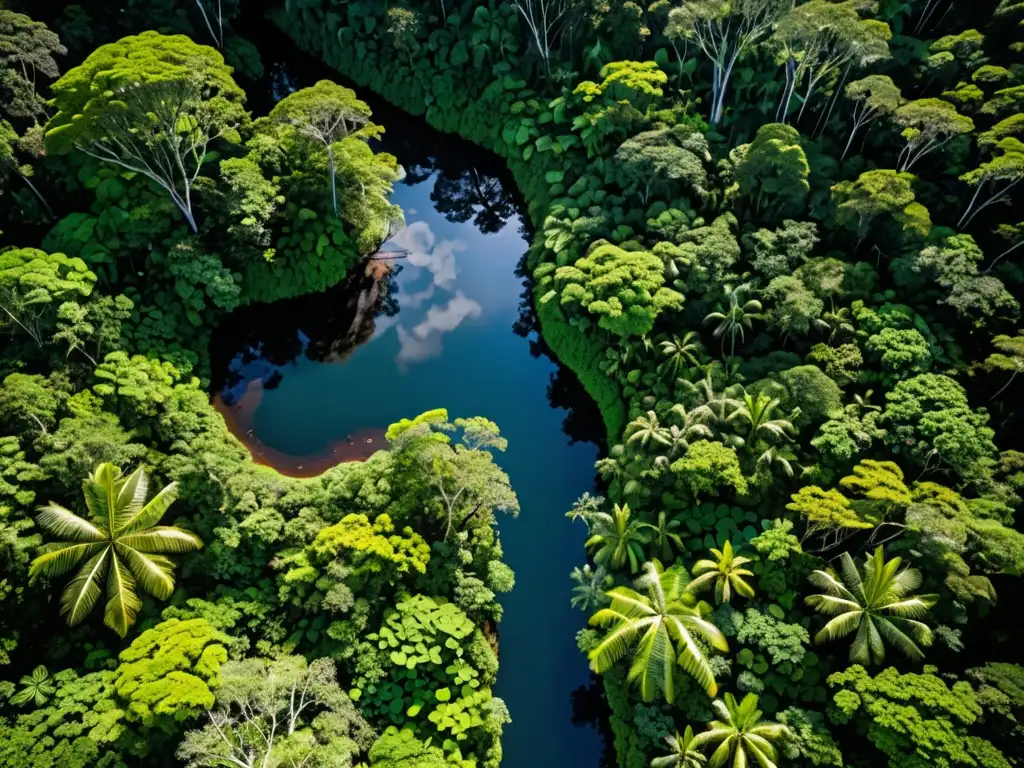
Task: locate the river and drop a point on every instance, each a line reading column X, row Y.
column 310, row 382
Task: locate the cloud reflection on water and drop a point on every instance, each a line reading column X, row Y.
column 437, row 257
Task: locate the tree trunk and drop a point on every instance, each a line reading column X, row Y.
column 334, row 187
column 722, row 87
column 849, row 141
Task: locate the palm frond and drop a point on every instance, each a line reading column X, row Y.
column 674, row 583
column 83, row 591
column 900, row 640
column 851, row 578
column 152, row 513
column 907, row 581
column 721, row 755
column 911, row 608
column 122, row 602
column 704, row 581
column 875, row 639
column 701, row 566
column 654, row 664
column 98, row 490
column 832, row 585
column 839, row 627
column 742, row 588
column 153, row 572
column 162, row 540
column 694, row 662
column 831, row 605
column 61, row 557
column 763, row 758
column 67, row 525
column 629, row 602
column 131, row 497
column 613, row 646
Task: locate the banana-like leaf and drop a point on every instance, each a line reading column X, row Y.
column 162, row 540
column 131, row 497
column 153, row 572
column 152, row 513
column 83, row 591
column 122, row 602
column 61, row 557
column 67, row 525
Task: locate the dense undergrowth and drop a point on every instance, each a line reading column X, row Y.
column 778, row 247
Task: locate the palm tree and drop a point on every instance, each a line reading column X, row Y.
column 645, row 429
column 684, row 752
column 618, row 538
column 763, row 427
column 877, row 604
column 661, row 625
column 836, row 323
column 663, row 535
column 121, row 544
column 741, row 734
column 691, row 424
column 863, row 402
column 712, row 407
column 585, row 507
column 726, row 573
column 774, row 455
column 680, row 355
column 737, row 316
column 589, row 592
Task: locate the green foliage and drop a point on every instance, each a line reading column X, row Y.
column 809, row 392
column 724, row 574
column 915, row 720
column 618, row 163
column 877, row 488
column 809, row 738
column 708, row 468
column 826, row 513
column 256, row 697
column 165, row 675
column 184, row 90
column 422, row 646
column 618, row 538
column 928, row 418
column 777, row 252
column 880, row 194
column 34, row 286
column 372, row 555
column 36, row 688
column 401, row 749
column 664, row 162
column 625, row 289
column 81, row 726
column 772, row 172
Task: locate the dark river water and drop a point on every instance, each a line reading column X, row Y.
column 309, row 382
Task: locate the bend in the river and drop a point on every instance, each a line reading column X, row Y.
column 313, row 381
